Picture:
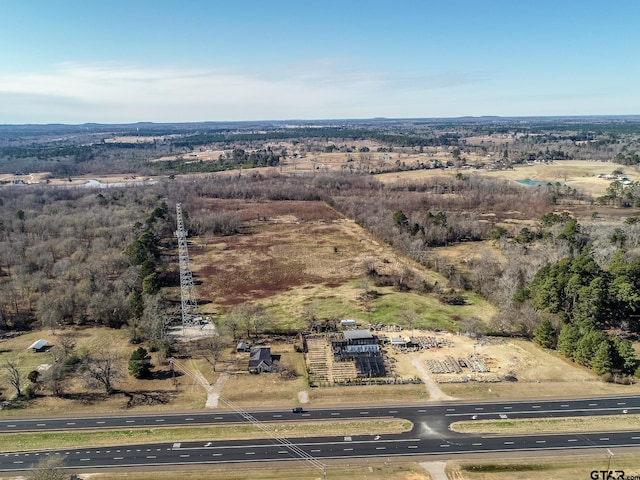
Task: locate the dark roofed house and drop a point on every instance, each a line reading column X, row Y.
column 242, row 347
column 39, row 346
column 260, row 360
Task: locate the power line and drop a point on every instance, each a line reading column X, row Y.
column 297, row 451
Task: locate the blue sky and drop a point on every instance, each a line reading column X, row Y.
column 66, row 61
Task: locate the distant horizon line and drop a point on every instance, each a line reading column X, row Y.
column 325, row 120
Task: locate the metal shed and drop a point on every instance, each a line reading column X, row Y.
column 38, row 345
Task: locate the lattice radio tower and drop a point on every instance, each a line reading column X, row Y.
column 187, row 297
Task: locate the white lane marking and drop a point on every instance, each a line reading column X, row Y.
column 188, row 419
column 277, row 416
column 536, row 406
column 12, row 426
column 18, row 461
column 572, row 440
column 216, row 455
column 479, row 408
column 445, row 445
column 101, row 422
column 316, row 451
column 381, row 448
column 451, row 409
column 68, row 423
column 335, row 413
column 541, row 441
column 130, row 421
column 348, row 449
column 159, row 419
column 393, row 411
column 217, row 418
column 508, row 443
column 41, row 424
column 250, row 453
column 412, row 446
column 476, row 444
column 422, row 411
column 364, row 413
column 593, row 404
column 282, row 452
column 622, row 403
column 185, row 456
column 564, row 406
column 118, row 458
column 85, row 459
column 508, row 408
column 152, row 456
column 604, row 438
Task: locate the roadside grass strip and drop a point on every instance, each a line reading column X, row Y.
column 550, row 425
column 29, row 441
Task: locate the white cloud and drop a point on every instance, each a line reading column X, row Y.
column 111, row 92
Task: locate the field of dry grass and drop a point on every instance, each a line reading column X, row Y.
column 374, row 469
column 578, row 465
column 580, row 174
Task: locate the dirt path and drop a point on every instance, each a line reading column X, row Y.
column 435, row 394
column 213, row 392
column 435, row 469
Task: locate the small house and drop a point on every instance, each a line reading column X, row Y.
column 260, row 360
column 242, row 347
column 348, row 323
column 39, row 346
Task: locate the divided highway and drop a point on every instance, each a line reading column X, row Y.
column 429, row 436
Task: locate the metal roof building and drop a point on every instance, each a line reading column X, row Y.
column 357, row 335
column 38, row 345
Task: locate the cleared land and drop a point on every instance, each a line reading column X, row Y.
column 295, row 256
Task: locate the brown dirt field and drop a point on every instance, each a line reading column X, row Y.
column 288, row 245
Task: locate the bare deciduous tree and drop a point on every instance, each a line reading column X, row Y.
column 13, row 376
column 49, row 468
column 215, row 345
column 103, row 368
column 67, row 342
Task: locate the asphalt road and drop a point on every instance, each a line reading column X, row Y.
column 430, row 435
